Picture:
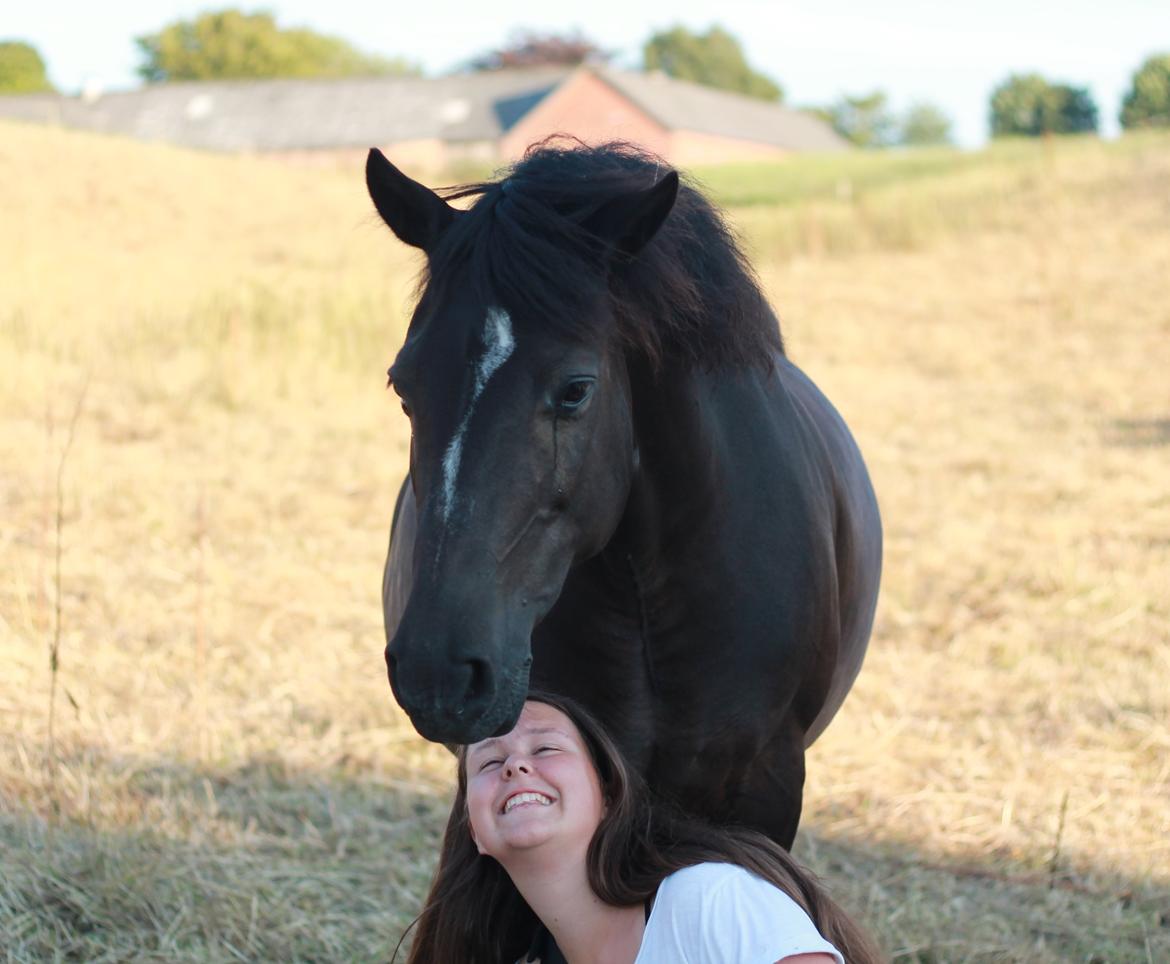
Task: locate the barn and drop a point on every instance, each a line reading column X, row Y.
column 434, row 122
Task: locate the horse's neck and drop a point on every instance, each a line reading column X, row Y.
column 675, row 488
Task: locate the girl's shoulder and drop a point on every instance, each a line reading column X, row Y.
column 709, row 878
column 708, row 886
column 723, row 912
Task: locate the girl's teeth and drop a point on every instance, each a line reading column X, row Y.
column 526, row 798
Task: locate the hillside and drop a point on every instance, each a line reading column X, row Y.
column 195, row 346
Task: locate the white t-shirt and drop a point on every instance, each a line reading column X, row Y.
column 723, row 914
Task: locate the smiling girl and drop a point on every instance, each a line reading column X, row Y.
column 555, row 851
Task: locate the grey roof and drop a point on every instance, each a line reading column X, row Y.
column 275, row 115
column 681, row 105
column 285, row 114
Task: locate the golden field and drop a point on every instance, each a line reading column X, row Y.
column 198, row 461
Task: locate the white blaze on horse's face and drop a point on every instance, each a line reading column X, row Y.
column 498, row 346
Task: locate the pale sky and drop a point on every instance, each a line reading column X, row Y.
column 948, row 53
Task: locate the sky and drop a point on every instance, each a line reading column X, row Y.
column 947, row 53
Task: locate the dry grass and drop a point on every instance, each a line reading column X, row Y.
column 231, row 780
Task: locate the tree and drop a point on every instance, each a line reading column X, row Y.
column 714, row 59
column 1027, row 105
column 1076, row 110
column 22, row 71
column 233, row 44
column 541, row 50
column 863, row 120
column 1147, row 104
column 924, row 125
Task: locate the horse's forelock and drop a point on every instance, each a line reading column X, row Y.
column 689, row 294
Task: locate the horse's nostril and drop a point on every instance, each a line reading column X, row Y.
column 391, row 662
column 475, row 690
column 480, row 691
column 480, row 681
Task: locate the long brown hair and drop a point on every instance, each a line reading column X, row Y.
column 474, row 913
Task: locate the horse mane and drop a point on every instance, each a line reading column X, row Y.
column 689, row 297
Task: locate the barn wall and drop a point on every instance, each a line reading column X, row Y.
column 590, row 109
column 419, row 158
column 428, row 153
column 691, row 147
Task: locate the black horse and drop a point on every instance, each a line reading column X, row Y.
column 620, row 488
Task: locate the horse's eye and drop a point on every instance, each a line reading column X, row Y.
column 406, row 410
column 575, row 394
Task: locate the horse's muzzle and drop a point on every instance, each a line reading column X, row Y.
column 458, row 703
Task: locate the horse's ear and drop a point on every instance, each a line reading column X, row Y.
column 629, row 221
column 415, row 213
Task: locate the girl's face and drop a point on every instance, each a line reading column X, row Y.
column 533, row 786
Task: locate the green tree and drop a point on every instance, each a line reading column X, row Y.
column 233, row 44
column 541, row 50
column 924, row 125
column 714, row 59
column 864, row 120
column 22, row 71
column 1027, row 105
column 1147, row 104
column 1076, row 109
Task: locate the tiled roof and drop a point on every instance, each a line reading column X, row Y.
column 681, row 105
column 275, row 115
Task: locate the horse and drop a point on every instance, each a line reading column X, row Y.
column 620, row 488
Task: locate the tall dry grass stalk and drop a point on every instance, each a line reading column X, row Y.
column 54, row 644
column 201, row 671
column 1054, row 862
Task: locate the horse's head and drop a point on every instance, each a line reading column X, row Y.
column 522, row 448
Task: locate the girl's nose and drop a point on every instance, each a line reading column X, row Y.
column 514, row 767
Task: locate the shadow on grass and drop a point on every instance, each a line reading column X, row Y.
column 258, row 862
column 930, row 908
column 266, row 862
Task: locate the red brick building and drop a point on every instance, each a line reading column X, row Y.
column 685, row 123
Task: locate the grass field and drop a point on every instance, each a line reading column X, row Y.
column 197, row 468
